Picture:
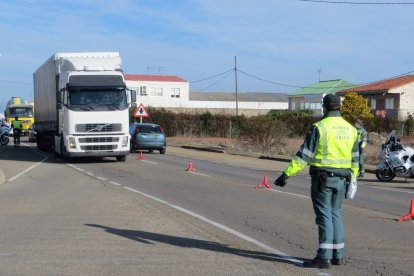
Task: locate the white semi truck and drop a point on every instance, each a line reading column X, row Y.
column 82, row 105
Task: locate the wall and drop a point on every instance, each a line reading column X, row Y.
column 406, row 101
column 166, row 100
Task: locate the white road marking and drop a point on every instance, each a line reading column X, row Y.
column 114, row 183
column 89, row 173
column 101, row 178
column 202, row 174
column 268, row 248
column 149, row 162
column 79, row 169
column 70, row 165
column 282, row 192
column 390, row 189
column 28, row 169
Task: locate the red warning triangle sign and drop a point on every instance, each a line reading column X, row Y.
column 141, row 112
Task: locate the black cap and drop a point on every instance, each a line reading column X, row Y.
column 332, row 102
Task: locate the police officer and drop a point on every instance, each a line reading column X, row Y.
column 363, row 140
column 331, row 150
column 17, row 130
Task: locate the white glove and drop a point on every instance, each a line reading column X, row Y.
column 351, row 189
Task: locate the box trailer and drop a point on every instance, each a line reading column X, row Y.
column 82, row 105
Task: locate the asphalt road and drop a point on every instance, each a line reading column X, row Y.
column 151, row 217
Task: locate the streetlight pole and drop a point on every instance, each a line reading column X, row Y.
column 235, row 78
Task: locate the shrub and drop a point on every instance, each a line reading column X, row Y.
column 409, row 126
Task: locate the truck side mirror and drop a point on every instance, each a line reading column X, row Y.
column 133, row 96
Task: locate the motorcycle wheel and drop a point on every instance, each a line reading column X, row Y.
column 4, row 140
column 385, row 175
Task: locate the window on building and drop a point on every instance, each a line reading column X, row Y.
column 175, row 92
column 389, row 103
column 156, row 91
column 373, row 103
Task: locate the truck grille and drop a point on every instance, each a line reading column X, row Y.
column 99, row 140
column 99, row 147
column 98, row 127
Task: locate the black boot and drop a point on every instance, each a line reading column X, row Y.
column 337, row 261
column 317, row 263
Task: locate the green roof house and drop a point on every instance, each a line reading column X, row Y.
column 310, row 97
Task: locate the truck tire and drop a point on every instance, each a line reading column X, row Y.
column 63, row 153
column 121, row 158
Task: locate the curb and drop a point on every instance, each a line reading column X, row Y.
column 203, row 149
column 368, row 168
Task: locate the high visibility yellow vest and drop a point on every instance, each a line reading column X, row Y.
column 17, row 125
column 334, row 149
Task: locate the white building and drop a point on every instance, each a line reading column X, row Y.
column 159, row 91
column 172, row 92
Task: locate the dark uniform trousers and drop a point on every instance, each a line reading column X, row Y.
column 327, row 204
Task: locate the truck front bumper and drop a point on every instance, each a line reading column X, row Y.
column 97, row 154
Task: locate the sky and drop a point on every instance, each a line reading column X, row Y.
column 279, row 45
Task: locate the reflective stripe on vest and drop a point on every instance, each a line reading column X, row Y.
column 334, row 149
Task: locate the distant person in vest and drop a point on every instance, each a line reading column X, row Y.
column 331, row 151
column 17, row 130
column 363, row 140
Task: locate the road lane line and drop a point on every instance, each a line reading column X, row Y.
column 282, row 192
column 202, row 174
column 114, row 183
column 240, row 235
column 390, row 189
column 101, row 178
column 27, row 170
column 89, row 173
column 81, row 170
column 149, row 162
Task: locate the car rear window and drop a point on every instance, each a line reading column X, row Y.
column 150, row 129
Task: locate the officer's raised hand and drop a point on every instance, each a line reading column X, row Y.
column 281, row 180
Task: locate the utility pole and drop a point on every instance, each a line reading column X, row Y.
column 235, row 78
column 319, row 72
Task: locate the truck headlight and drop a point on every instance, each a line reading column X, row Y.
column 125, row 141
column 72, row 143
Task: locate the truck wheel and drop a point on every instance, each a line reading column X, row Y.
column 162, row 151
column 63, row 153
column 121, row 158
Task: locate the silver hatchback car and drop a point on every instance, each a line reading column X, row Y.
column 147, row 136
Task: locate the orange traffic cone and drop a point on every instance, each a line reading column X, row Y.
column 411, row 212
column 190, row 167
column 264, row 183
column 141, row 157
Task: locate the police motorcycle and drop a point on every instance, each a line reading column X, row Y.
column 397, row 160
column 4, row 133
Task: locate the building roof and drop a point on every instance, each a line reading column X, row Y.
column 323, row 87
column 384, row 85
column 242, row 97
column 153, row 78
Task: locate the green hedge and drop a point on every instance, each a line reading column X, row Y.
column 261, row 128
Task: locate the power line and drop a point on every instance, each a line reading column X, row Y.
column 231, row 70
column 358, row 3
column 228, row 72
column 343, row 86
column 261, row 79
column 221, row 79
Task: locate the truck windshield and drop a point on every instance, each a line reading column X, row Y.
column 97, row 99
column 21, row 111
